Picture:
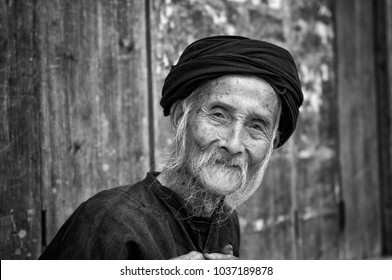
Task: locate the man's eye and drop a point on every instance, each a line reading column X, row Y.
column 218, row 115
column 257, row 127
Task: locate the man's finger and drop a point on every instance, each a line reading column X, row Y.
column 218, row 256
column 228, row 250
column 192, row 255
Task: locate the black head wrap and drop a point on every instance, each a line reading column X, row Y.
column 212, row 57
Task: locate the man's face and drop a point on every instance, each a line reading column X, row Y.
column 236, row 123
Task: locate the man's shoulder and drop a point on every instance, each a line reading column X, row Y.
column 127, row 197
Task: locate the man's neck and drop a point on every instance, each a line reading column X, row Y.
column 199, row 203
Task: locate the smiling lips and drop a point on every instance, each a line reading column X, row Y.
column 227, row 165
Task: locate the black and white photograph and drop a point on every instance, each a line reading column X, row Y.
column 196, row 130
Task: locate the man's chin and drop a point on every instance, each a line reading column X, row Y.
column 218, row 185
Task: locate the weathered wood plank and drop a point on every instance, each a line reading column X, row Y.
column 383, row 49
column 388, row 186
column 318, row 188
column 93, row 100
column 20, row 223
column 160, row 68
column 267, row 225
column 318, row 212
column 358, row 152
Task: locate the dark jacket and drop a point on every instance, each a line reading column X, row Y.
column 141, row 221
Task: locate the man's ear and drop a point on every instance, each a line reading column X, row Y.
column 176, row 113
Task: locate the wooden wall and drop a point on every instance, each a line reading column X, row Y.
column 383, row 59
column 20, row 151
column 358, row 137
column 79, row 113
column 386, row 9
column 74, row 111
column 93, row 101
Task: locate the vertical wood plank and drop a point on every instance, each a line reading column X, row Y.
column 151, row 100
column 383, row 49
column 267, row 225
column 388, row 186
column 318, row 181
column 93, row 99
column 20, row 223
column 160, row 68
column 359, row 160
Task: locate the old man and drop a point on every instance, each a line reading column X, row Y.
column 231, row 101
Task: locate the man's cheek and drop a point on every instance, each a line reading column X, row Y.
column 205, row 135
column 257, row 152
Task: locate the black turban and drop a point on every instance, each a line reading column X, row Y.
column 212, row 57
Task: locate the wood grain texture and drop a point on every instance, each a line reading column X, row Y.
column 93, row 100
column 388, row 185
column 383, row 53
column 20, row 223
column 317, row 194
column 358, row 154
column 163, row 131
column 266, row 222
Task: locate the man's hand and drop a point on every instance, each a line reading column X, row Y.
column 192, row 255
column 226, row 253
column 218, row 256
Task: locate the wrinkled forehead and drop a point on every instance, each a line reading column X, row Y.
column 233, row 89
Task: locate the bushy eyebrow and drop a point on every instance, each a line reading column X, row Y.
column 257, row 116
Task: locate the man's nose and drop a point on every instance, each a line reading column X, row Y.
column 233, row 140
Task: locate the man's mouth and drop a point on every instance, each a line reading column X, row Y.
column 226, row 164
